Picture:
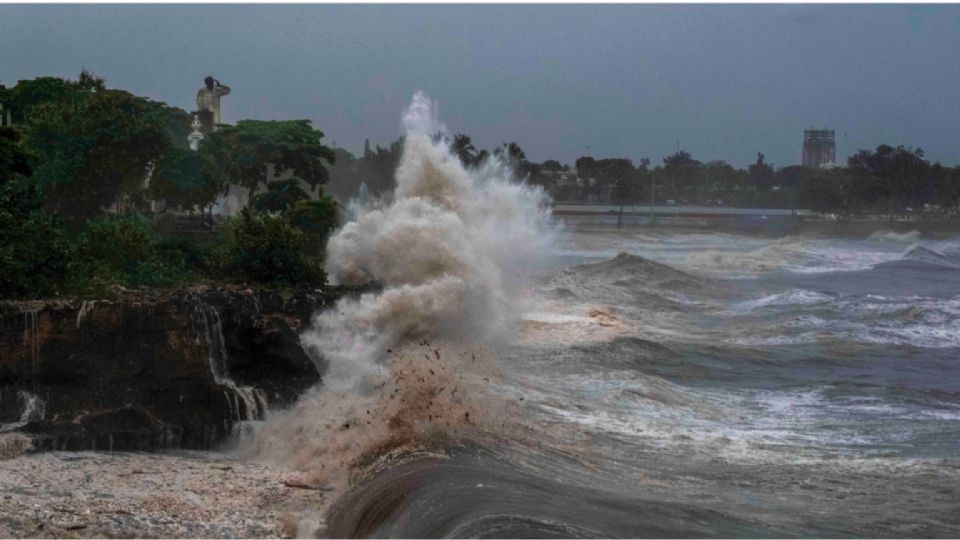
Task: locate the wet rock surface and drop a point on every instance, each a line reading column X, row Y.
column 148, row 371
column 143, row 495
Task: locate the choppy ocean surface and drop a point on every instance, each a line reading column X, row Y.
column 679, row 384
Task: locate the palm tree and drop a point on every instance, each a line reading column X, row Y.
column 463, row 148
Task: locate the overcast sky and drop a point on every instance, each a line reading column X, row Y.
column 562, row 81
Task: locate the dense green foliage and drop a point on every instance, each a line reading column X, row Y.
column 123, row 249
column 94, row 150
column 317, row 219
column 186, row 179
column 34, row 251
column 266, row 248
column 82, row 162
column 281, row 196
column 35, row 254
column 253, row 149
column 14, row 161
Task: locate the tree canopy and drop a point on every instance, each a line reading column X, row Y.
column 95, row 150
column 186, row 179
column 280, row 196
column 254, row 151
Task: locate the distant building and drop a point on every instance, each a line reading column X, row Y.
column 819, row 147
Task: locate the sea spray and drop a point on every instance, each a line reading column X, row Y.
column 449, row 249
column 409, row 368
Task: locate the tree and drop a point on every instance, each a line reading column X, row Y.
column 826, row 190
column 761, row 174
column 463, row 148
column 265, row 248
column 553, row 165
column 89, row 81
column 281, row 196
column 624, row 178
column 95, row 151
column 948, row 188
column 35, row 253
column 680, row 169
column 511, row 152
column 721, row 175
column 187, row 180
column 376, row 170
column 251, row 150
column 27, row 95
column 898, row 175
column 317, row 219
column 23, row 98
column 792, row 176
column 122, row 249
column 14, row 161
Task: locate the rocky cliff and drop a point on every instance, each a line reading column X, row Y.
column 151, row 371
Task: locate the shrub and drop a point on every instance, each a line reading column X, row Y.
column 317, row 219
column 185, row 179
column 35, row 255
column 281, row 196
column 265, row 248
column 180, row 252
column 125, row 250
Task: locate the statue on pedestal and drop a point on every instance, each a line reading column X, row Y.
column 208, row 102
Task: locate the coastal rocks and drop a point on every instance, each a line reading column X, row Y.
column 151, row 371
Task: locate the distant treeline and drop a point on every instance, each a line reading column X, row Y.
column 887, row 179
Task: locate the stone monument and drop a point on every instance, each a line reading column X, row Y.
column 208, row 102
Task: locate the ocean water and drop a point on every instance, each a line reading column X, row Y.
column 664, row 383
column 512, row 378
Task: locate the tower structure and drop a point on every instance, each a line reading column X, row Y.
column 819, row 147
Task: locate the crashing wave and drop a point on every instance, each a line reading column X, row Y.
column 450, row 251
column 920, row 254
column 647, row 283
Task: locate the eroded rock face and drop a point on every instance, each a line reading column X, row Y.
column 151, row 371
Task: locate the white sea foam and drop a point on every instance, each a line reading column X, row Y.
column 788, row 298
column 891, row 236
column 451, row 250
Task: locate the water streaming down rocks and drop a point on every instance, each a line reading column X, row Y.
column 152, row 371
column 245, row 403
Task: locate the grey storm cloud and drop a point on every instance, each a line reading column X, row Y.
column 722, row 81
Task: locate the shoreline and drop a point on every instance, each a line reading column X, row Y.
column 199, row 494
column 856, row 229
